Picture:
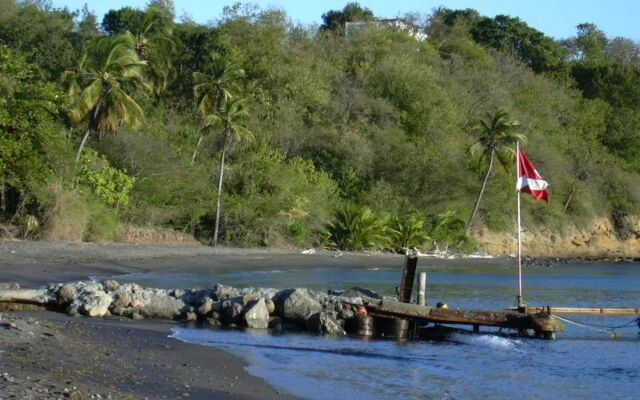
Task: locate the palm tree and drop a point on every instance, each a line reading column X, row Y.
column 153, row 43
column 108, row 74
column 214, row 89
column 497, row 139
column 229, row 117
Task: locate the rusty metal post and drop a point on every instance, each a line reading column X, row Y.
column 408, row 276
column 365, row 325
column 422, row 288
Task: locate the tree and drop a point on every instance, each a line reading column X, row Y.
column 335, row 20
column 119, row 21
column 497, row 139
column 213, row 90
column 31, row 139
column 109, row 73
column 589, row 44
column 229, row 117
column 508, row 35
column 154, row 44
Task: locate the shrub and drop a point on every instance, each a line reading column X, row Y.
column 356, row 227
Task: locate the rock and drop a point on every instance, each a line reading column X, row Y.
column 231, row 311
column 221, row 292
column 212, row 322
column 271, row 307
column 157, row 303
column 117, row 310
column 122, row 299
column 206, row 307
column 323, row 322
column 67, row 293
column 96, row 305
column 110, row 285
column 257, row 315
column 136, row 316
column 331, row 325
column 365, row 294
column 72, row 310
column 190, row 316
column 297, row 304
column 275, row 323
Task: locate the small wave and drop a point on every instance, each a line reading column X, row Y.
column 490, row 341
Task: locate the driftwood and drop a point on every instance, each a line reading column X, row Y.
column 28, row 296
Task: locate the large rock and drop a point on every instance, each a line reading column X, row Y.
column 297, row 304
column 257, row 315
column 326, row 323
column 110, row 285
column 157, row 303
column 96, row 304
column 67, row 294
column 231, row 311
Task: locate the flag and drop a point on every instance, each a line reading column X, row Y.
column 529, row 180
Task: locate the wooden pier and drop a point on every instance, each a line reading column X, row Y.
column 401, row 319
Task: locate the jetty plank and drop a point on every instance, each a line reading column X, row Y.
column 586, row 311
column 500, row 319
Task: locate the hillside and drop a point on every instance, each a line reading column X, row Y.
column 353, row 139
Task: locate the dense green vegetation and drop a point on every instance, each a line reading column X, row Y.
column 255, row 131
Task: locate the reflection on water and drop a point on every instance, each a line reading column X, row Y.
column 581, row 364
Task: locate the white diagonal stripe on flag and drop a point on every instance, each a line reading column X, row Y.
column 533, row 184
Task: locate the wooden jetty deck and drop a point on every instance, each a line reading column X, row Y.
column 539, row 322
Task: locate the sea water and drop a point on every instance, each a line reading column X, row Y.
column 581, row 364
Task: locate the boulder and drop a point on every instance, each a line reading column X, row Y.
column 231, row 311
column 67, row 294
column 206, row 307
column 122, row 299
column 257, row 315
column 326, row 323
column 275, row 323
column 110, row 285
column 296, row 304
column 156, row 303
column 96, row 304
column 271, row 307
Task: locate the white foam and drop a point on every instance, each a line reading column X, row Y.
column 490, row 341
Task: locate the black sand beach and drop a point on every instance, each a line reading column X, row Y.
column 50, row 355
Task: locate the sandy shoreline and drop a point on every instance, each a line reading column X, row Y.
column 34, row 263
column 49, row 355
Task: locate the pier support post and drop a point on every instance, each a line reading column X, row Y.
column 365, row 325
column 422, row 288
column 408, row 276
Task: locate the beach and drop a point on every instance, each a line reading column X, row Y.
column 48, row 354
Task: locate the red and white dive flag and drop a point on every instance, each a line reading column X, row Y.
column 529, row 180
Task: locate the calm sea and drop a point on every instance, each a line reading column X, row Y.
column 580, row 364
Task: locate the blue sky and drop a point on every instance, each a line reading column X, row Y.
column 556, row 18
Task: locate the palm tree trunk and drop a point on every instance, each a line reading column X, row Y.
column 82, row 144
column 195, row 151
column 484, row 185
column 215, row 231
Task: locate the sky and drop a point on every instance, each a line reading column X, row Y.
column 556, row 18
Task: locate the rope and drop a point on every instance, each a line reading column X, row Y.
column 611, row 330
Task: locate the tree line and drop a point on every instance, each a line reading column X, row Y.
column 255, row 131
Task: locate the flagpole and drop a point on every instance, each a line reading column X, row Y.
column 519, row 301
